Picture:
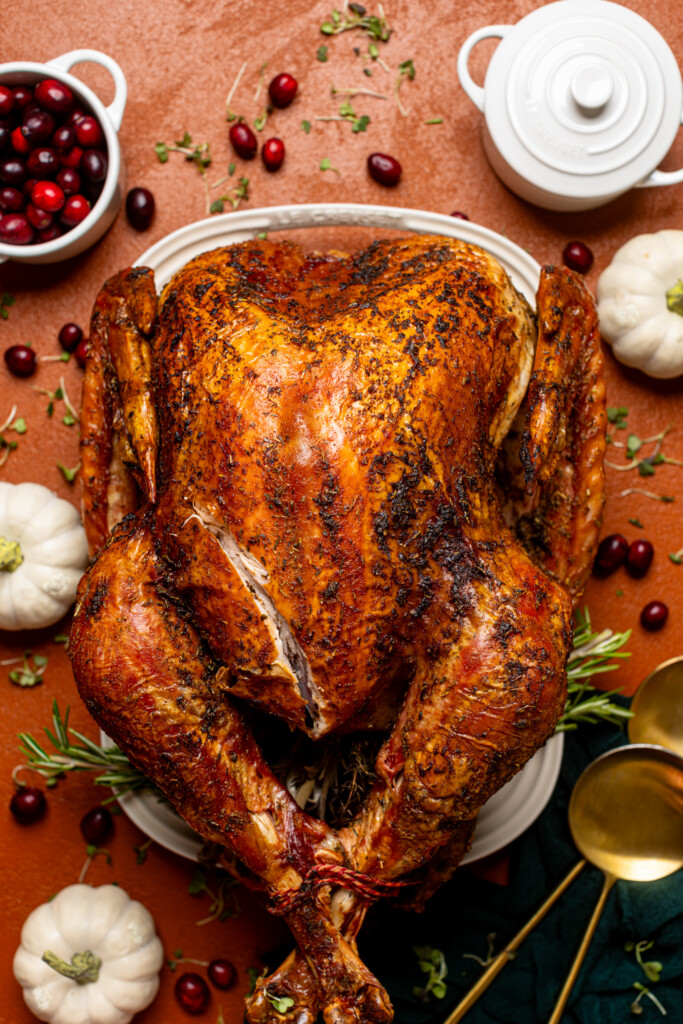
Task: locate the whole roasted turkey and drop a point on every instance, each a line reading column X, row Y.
column 354, row 493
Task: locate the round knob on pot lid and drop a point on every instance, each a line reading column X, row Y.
column 591, row 87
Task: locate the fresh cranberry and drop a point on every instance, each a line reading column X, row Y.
column 28, row 805
column 97, row 825
column 6, row 101
column 72, row 157
column 192, row 993
column 76, row 209
column 639, row 558
column 48, row 196
column 43, row 162
column 612, row 552
column 39, row 219
column 578, row 257
column 81, row 353
column 88, row 132
column 5, row 134
column 27, row 187
column 94, row 165
column 15, row 229
column 54, row 96
column 282, row 90
column 70, row 336
column 460, row 215
column 384, row 169
column 11, row 200
column 22, row 96
column 64, row 138
column 243, row 140
column 140, row 208
column 38, row 127
column 75, row 116
column 654, row 615
column 272, row 154
column 12, row 171
column 20, row 145
column 69, row 181
column 21, row 360
column 49, row 234
column 222, row 973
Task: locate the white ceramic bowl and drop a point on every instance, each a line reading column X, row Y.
column 103, row 212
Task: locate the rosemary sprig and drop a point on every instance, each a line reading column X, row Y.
column 593, row 654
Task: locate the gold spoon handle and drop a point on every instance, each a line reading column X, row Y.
column 583, row 949
column 497, row 965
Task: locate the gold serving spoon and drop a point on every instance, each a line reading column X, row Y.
column 658, row 707
column 626, row 818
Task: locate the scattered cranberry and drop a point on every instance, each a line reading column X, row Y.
column 578, row 257
column 460, row 215
column 282, row 90
column 97, row 825
column 76, row 209
column 48, row 196
column 54, row 96
column 12, row 171
column 38, row 127
column 612, row 552
column 64, row 138
column 69, row 181
column 243, row 140
column 81, row 353
column 139, row 208
column 273, row 153
column 654, row 615
column 21, row 360
column 192, row 993
column 39, row 219
column 6, row 101
column 15, row 229
column 28, row 805
column 72, row 157
column 88, row 132
column 639, row 558
column 70, row 336
column 22, row 96
column 11, row 200
column 43, row 162
column 222, row 973
column 384, row 169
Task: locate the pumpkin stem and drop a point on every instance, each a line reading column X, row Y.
column 84, row 967
column 10, row 555
column 674, row 298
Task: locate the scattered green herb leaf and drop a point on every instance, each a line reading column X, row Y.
column 677, row 557
column 325, row 165
column 141, row 851
column 321, row 54
column 60, row 638
column 617, row 415
column 253, row 973
column 68, row 474
column 6, row 301
column 231, row 168
column 431, row 962
column 635, row 521
column 434, row 120
column 28, row 674
column 235, row 196
column 373, row 25
column 281, row 1003
column 306, row 126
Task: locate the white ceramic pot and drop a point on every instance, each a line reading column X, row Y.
column 103, row 212
column 582, row 100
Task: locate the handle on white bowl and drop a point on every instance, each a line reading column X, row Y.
column 663, row 177
column 474, row 91
column 118, row 104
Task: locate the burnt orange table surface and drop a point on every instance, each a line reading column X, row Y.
column 180, row 59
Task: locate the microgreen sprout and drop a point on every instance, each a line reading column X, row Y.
column 177, row 958
column 677, row 556
column 71, row 416
column 665, row 498
column 325, row 165
column 92, row 852
column 406, row 69
column 616, row 415
column 354, row 16
column 200, row 156
column 141, row 851
column 230, row 115
column 261, row 81
column 31, row 670
column 234, row 197
column 635, row 521
column 222, row 906
column 6, row 447
column 652, row 970
column 432, row 963
column 434, row 120
column 646, row 465
column 306, row 126
column 321, row 54
column 490, row 940
column 69, row 474
column 6, row 301
column 280, row 1003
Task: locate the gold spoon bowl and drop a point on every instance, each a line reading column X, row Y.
column 658, row 707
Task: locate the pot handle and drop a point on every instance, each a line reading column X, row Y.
column 118, row 104
column 662, row 177
column 474, row 91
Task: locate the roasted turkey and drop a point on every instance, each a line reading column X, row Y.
column 348, row 494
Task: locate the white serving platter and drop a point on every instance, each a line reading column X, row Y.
column 517, row 805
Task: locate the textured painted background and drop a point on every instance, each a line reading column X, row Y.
column 180, row 59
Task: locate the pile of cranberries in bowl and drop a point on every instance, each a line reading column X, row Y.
column 53, row 162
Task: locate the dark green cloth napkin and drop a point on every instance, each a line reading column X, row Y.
column 464, row 912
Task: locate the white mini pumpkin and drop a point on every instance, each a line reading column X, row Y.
column 43, row 552
column 107, row 932
column 640, row 303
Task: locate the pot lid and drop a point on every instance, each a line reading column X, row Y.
column 583, row 96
